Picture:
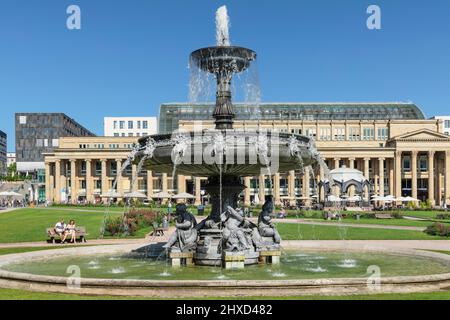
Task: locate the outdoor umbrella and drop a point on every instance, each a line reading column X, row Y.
column 112, row 194
column 354, row 199
column 135, row 195
column 162, row 195
column 183, row 195
column 410, row 199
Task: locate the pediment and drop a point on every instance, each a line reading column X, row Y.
column 422, row 135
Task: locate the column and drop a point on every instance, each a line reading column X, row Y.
column 336, row 163
column 276, row 188
column 58, row 181
column 119, row 183
column 105, row 185
column 352, row 163
column 366, row 175
column 321, row 188
column 181, row 186
column 198, row 191
column 414, row 174
column 64, row 179
column 47, row 181
column 291, row 187
column 375, row 177
column 440, row 176
column 89, row 181
column 447, row 178
column 247, row 183
column 398, row 174
column 381, row 175
column 73, row 181
column 431, row 185
column 391, row 177
column 134, row 178
column 262, row 189
column 149, row 184
column 164, row 182
column 306, row 189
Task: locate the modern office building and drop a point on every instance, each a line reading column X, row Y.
column 446, row 120
column 38, row 133
column 130, row 126
column 11, row 158
column 400, row 151
column 3, row 158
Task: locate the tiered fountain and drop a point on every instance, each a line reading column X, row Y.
column 225, row 155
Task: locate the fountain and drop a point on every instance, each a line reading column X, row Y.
column 225, row 155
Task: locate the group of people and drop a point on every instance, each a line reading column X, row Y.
column 64, row 230
column 14, row 203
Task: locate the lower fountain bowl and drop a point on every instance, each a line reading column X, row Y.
column 231, row 152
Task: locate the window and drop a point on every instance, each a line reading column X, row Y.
column 113, row 168
column 144, row 124
column 383, row 134
column 122, row 124
column 423, row 163
column 123, row 134
column 139, row 124
column 368, row 134
column 55, row 142
column 138, row 134
column 130, row 134
column 45, row 142
column 407, row 163
column 116, row 134
column 83, row 168
column 98, row 168
column 115, row 125
column 311, row 132
column 39, row 142
column 339, row 134
column 130, row 124
column 447, row 124
column 23, row 119
column 325, row 134
column 98, row 184
column 354, row 134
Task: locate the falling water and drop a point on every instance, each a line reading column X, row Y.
column 222, row 26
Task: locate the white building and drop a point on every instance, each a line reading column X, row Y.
column 11, row 158
column 130, row 126
column 446, row 126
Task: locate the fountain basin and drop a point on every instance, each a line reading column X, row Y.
column 230, row 152
column 399, row 273
column 223, row 59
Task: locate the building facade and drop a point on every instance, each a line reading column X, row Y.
column 446, row 120
column 3, row 158
column 11, row 158
column 130, row 126
column 398, row 150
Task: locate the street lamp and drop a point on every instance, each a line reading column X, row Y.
column 202, row 193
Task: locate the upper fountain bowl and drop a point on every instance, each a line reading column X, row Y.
column 223, row 59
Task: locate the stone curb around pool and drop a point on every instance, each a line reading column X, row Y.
column 218, row 288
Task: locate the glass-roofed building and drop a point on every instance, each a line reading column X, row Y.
column 172, row 113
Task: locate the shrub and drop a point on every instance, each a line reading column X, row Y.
column 438, row 229
column 443, row 216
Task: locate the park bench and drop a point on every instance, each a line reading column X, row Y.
column 79, row 231
column 383, row 216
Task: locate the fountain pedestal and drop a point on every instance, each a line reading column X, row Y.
column 179, row 258
column 234, row 260
column 269, row 256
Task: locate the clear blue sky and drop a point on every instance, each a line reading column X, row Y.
column 131, row 56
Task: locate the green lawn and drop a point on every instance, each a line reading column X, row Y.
column 25, row 225
column 386, row 222
column 290, row 231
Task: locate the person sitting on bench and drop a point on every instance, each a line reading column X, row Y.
column 60, row 229
column 70, row 229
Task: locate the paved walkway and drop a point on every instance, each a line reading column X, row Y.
column 9, row 210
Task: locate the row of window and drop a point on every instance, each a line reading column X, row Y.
column 131, row 124
column 45, row 143
column 111, row 146
column 339, row 134
column 130, row 134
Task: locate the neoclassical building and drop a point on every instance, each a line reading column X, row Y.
column 397, row 149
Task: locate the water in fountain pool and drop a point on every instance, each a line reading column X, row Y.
column 294, row 265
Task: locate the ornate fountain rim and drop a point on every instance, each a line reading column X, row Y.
column 219, row 288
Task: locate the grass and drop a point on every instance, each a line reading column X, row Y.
column 25, row 225
column 289, row 231
column 13, row 294
column 385, row 222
